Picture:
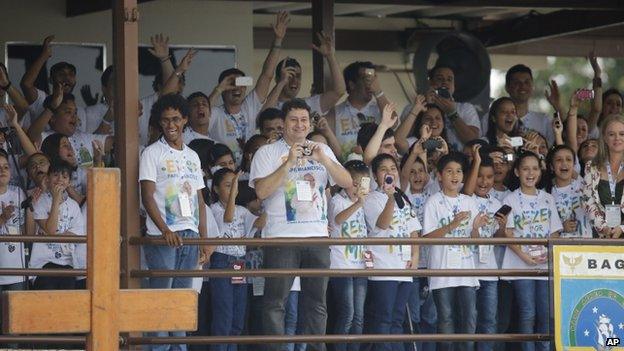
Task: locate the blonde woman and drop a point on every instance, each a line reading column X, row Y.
column 604, row 181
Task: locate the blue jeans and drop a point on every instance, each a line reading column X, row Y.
column 423, row 314
column 291, row 320
column 487, row 307
column 179, row 258
column 228, row 302
column 386, row 310
column 457, row 313
column 533, row 310
column 349, row 295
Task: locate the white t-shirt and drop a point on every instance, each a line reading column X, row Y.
column 94, row 115
column 484, row 254
column 531, row 216
column 348, row 123
column 568, row 202
column 147, row 102
column 12, row 254
column 240, row 227
column 539, row 122
column 178, row 177
column 440, row 211
column 498, row 194
column 227, row 128
column 82, row 143
column 189, row 135
column 287, row 215
column 402, row 226
column 418, row 201
column 346, row 256
column 70, row 219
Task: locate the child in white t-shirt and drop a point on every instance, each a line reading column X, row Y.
column 229, row 295
column 57, row 214
column 346, row 218
column 533, row 215
column 496, row 222
column 388, row 213
column 566, row 190
column 453, row 215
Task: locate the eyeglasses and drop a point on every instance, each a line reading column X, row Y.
column 166, row 121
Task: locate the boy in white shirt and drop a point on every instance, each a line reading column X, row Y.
column 451, row 214
column 171, row 183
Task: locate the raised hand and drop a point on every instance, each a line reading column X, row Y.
column 425, row 132
column 553, row 97
column 46, row 49
column 87, row 96
column 480, row 221
column 476, row 155
column 4, row 79
column 281, row 24
column 593, row 60
column 7, row 212
column 322, row 125
column 389, row 116
column 160, row 46
column 11, row 115
column 57, row 96
column 557, row 126
column 574, row 100
column 326, row 44
column 419, row 105
column 459, row 218
column 287, row 73
column 228, row 83
column 98, row 151
column 185, row 64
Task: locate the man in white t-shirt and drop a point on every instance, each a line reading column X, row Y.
column 363, row 104
column 519, row 86
column 171, row 183
column 461, row 118
column 290, row 176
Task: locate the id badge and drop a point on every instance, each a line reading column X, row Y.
column 484, row 253
column 406, row 253
column 453, row 258
column 304, row 191
column 536, row 250
column 612, row 215
column 238, row 265
column 368, row 259
column 185, row 205
column 258, row 286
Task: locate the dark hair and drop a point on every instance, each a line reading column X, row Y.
column 366, row 132
column 612, row 91
column 290, row 62
column 315, row 133
column 380, row 158
column 351, row 73
column 484, row 144
column 60, row 166
column 431, row 73
column 550, row 172
column 106, row 75
column 451, row 157
column 196, row 95
column 202, row 147
column 295, row 104
column 4, row 154
column 357, row 167
column 417, row 160
column 66, row 97
column 165, row 102
column 491, row 116
column 228, row 72
column 219, row 150
column 419, row 122
column 512, row 181
column 59, row 66
column 51, row 146
column 269, row 114
column 245, row 164
column 217, row 178
column 519, row 68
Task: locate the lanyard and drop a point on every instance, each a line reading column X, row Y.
column 612, row 183
column 240, row 125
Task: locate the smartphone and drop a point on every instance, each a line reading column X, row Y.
column 585, row 94
column 443, row 93
column 369, row 71
column 365, row 184
column 244, row 81
column 509, row 157
column 504, row 210
column 516, row 141
column 432, row 144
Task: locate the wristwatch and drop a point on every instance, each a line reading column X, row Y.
column 453, row 116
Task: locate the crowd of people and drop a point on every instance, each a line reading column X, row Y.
column 242, row 162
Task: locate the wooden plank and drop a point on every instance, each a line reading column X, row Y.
column 158, row 309
column 322, row 20
column 103, row 209
column 140, row 310
column 46, row 312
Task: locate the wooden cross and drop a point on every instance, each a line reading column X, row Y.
column 103, row 310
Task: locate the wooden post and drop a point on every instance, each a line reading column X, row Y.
column 125, row 43
column 322, row 20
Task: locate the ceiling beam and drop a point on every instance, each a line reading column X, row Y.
column 610, row 5
column 539, row 27
column 82, row 7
